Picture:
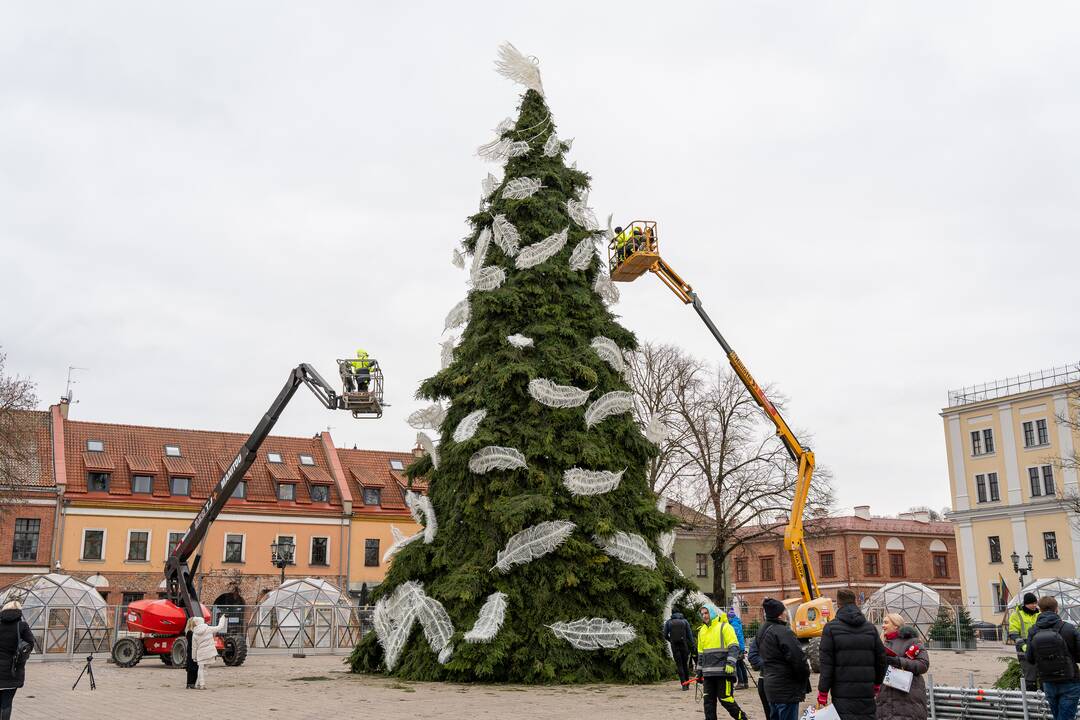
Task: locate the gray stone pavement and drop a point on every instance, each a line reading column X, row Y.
column 280, row 686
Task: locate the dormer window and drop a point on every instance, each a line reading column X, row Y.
column 307, row 460
column 286, row 491
column 95, row 445
column 273, row 457
column 397, row 465
column 172, row 451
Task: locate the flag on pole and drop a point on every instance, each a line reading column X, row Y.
column 1003, row 591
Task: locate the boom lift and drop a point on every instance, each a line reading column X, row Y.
column 159, row 624
column 639, row 253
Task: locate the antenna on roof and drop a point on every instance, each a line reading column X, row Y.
column 68, row 397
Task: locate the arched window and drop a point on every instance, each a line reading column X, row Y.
column 868, row 543
column 894, row 543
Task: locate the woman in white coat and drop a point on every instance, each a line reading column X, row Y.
column 202, row 644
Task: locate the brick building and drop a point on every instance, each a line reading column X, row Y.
column 27, row 522
column 858, row 551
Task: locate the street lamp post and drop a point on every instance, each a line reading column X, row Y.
column 281, row 555
column 1022, row 571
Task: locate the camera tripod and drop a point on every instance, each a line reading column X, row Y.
column 88, row 669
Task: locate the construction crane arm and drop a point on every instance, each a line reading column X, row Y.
column 801, row 455
column 178, row 575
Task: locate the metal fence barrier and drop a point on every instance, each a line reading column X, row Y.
column 971, row 703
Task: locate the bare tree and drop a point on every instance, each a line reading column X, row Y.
column 19, row 457
column 1070, row 419
column 744, row 478
column 663, row 376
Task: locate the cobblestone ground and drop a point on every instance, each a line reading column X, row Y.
column 276, row 686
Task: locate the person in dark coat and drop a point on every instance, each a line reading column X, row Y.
column 677, row 632
column 755, row 662
column 852, row 662
column 191, row 666
column 786, row 671
column 903, row 651
column 12, row 628
column 1054, row 649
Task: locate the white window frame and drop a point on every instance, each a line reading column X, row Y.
column 243, row 547
column 181, row 533
column 104, row 540
column 271, row 455
column 99, row 442
column 178, row 453
column 311, row 459
column 149, row 545
column 311, row 550
column 399, row 462
column 277, row 539
column 1046, row 424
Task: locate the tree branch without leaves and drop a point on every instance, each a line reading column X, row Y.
column 19, row 458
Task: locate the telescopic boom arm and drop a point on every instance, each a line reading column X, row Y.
column 800, row 454
column 178, row 576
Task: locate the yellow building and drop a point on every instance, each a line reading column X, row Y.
column 1005, row 448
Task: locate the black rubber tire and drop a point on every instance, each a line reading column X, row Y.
column 178, row 656
column 235, row 651
column 166, row 660
column 813, row 654
column 127, row 652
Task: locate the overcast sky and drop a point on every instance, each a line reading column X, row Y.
column 876, row 202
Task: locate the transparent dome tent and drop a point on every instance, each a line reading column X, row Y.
column 307, row 613
column 915, row 602
column 1065, row 590
column 66, row 615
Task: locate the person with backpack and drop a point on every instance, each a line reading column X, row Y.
column 852, row 662
column 786, row 672
column 1054, row 648
column 13, row 632
column 677, row 632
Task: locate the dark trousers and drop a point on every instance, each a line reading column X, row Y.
column 740, row 672
column 1030, row 673
column 1062, row 698
column 682, row 661
column 6, row 698
column 719, row 689
column 191, row 666
column 761, row 696
column 784, row 711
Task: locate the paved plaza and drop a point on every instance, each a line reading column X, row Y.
column 280, row 686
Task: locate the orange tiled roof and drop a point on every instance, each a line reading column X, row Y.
column 37, row 470
column 371, row 469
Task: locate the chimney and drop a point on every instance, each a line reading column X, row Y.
column 418, row 451
column 923, row 516
column 862, row 512
column 65, row 406
column 906, row 516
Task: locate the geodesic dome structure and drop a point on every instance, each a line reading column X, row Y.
column 1065, row 590
column 66, row 615
column 915, row 602
column 307, row 613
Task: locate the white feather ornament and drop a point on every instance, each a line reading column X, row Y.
column 423, row 512
column 393, row 619
column 468, row 425
column 425, row 441
column 523, row 70
column 569, row 144
column 594, row 633
column 581, row 215
column 538, row 252
column 608, row 351
column 488, row 278
column 428, row 418
column 480, row 250
column 606, row 289
column 656, row 431
column 438, row 628
column 519, row 341
column 669, row 607
column 521, row 188
column 612, row 403
column 661, row 504
column 446, row 352
column 582, row 256
column 490, row 619
column 457, row 259
column 551, row 145
column 488, row 185
column 494, row 457
column 533, row 542
column 400, row 541
column 666, row 541
column 505, row 126
column 506, row 235
column 632, row 549
column 591, row 482
column 548, row 393
column 458, row 315
column 502, row 148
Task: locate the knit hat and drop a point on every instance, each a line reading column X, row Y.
column 773, row 608
column 1030, row 598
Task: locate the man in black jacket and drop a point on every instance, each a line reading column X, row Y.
column 677, row 632
column 852, row 662
column 786, row 672
column 1053, row 647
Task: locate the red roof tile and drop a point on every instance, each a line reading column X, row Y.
column 283, row 473
column 34, row 469
column 178, row 466
column 371, row 469
column 316, row 475
column 141, row 465
column 367, row 477
column 98, row 462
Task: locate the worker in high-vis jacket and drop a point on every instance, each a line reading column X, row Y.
column 620, row 244
column 1020, row 623
column 361, row 368
column 718, row 649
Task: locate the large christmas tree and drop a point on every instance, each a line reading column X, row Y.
column 544, row 556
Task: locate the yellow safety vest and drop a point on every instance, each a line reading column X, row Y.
column 362, row 362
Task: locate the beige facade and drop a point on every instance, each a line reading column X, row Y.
column 1005, row 448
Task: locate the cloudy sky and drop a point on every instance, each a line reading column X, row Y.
column 876, row 202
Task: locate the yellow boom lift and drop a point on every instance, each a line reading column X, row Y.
column 637, row 251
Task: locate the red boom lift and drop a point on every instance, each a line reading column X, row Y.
column 156, row 627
